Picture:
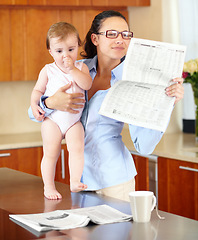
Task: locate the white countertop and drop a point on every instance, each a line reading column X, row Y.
column 179, row 146
column 23, row 140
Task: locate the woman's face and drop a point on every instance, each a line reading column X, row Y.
column 112, row 48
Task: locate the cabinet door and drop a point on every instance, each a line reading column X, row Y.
column 62, row 168
column 178, row 187
column 25, row 159
column 142, row 177
column 5, row 59
column 29, row 159
column 8, row 158
column 18, row 44
column 118, row 3
column 69, row 2
column 36, row 53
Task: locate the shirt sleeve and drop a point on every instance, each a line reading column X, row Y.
column 47, row 111
column 42, row 105
column 144, row 139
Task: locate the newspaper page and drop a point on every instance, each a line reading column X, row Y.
column 68, row 219
column 103, row 214
column 56, row 220
column 139, row 98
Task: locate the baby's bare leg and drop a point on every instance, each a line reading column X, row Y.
column 52, row 138
column 75, row 146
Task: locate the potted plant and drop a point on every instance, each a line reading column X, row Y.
column 190, row 75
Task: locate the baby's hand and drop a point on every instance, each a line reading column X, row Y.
column 68, row 62
column 38, row 113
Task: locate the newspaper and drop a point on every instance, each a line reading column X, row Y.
column 68, row 219
column 139, row 98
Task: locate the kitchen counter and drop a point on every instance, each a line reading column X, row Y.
column 23, row 140
column 22, row 193
column 179, row 146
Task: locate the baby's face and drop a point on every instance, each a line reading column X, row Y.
column 66, row 48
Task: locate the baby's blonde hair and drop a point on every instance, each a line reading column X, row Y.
column 61, row 30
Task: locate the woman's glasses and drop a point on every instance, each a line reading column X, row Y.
column 114, row 34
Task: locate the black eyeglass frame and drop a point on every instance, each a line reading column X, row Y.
column 106, row 33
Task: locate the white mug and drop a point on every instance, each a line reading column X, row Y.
column 142, row 204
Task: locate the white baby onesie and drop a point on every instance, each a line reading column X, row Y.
column 57, row 79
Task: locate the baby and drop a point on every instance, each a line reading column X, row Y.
column 62, row 42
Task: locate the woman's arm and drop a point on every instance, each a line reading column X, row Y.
column 144, row 139
column 60, row 101
column 68, row 102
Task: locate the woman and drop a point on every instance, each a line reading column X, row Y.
column 109, row 168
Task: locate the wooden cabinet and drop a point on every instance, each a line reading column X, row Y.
column 62, row 168
column 24, row 25
column 76, row 2
column 25, row 159
column 5, row 60
column 46, row 2
column 23, row 38
column 28, row 160
column 142, row 167
column 117, row 3
column 178, row 187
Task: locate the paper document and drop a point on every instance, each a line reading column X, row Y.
column 68, row 219
column 139, row 98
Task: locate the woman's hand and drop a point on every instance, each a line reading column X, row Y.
column 68, row 102
column 176, row 90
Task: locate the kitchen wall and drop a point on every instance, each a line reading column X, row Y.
column 145, row 22
column 159, row 22
column 15, row 101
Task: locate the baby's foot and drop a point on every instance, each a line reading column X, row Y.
column 76, row 186
column 51, row 193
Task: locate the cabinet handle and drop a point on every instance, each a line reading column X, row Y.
column 5, row 154
column 63, row 163
column 188, row 169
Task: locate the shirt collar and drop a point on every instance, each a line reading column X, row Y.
column 116, row 72
column 91, row 63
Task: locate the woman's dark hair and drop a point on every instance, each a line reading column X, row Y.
column 89, row 48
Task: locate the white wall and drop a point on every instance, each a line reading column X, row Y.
column 15, row 101
column 159, row 22
column 146, row 22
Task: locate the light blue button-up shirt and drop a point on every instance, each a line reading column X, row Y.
column 107, row 161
